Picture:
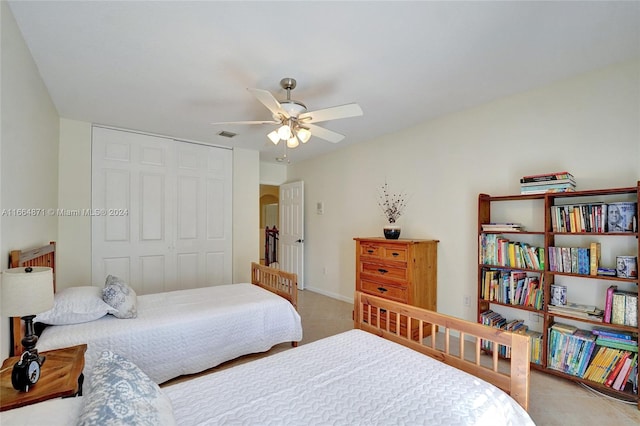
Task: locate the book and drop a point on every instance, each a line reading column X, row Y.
column 631, row 309
column 616, row 370
column 625, row 372
column 594, row 257
column 602, row 331
column 617, row 344
column 546, row 185
column 583, row 261
column 558, row 295
column 570, row 181
column 608, row 303
column 547, row 177
column 617, row 308
column 524, row 191
column 564, row 328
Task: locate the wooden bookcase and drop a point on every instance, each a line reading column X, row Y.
column 535, row 212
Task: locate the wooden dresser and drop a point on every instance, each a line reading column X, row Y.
column 403, row 270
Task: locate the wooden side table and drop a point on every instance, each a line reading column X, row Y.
column 61, row 376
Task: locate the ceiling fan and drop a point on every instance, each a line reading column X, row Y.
column 295, row 123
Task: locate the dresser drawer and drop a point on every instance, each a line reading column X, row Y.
column 380, row 270
column 385, row 290
column 384, row 251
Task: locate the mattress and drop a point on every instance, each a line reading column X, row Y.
column 186, row 331
column 347, row 379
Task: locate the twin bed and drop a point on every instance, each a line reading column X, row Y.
column 182, row 332
column 370, row 375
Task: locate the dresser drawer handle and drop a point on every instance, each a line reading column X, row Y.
column 395, row 254
column 382, row 289
column 382, row 271
column 369, row 251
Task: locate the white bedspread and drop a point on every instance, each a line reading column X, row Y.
column 186, row 331
column 353, row 378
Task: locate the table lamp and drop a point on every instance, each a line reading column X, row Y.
column 25, row 293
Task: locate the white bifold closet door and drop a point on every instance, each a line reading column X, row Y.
column 161, row 211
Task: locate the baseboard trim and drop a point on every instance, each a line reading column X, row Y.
column 329, row 294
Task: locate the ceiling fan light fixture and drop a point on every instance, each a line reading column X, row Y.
column 284, row 132
column 274, row 137
column 293, row 142
column 303, row 134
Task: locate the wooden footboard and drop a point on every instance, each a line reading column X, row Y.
column 282, row 283
column 383, row 317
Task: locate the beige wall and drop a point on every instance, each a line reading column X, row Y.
column 29, row 146
column 588, row 125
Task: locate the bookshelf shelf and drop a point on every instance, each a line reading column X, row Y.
column 545, row 233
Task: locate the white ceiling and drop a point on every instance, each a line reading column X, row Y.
column 174, row 67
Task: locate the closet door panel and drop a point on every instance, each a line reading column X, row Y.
column 169, row 211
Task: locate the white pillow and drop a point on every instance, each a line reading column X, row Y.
column 74, row 305
column 121, row 297
column 121, row 394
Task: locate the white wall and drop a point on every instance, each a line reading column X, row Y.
column 588, row 125
column 73, row 247
column 246, row 213
column 29, row 144
column 273, row 174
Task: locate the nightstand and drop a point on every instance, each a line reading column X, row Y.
column 61, row 376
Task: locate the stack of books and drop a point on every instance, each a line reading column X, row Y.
column 615, row 360
column 502, row 227
column 570, row 349
column 577, row 310
column 549, row 182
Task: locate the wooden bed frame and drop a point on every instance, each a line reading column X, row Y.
column 284, row 284
column 371, row 314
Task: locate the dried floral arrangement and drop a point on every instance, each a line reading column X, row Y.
column 391, row 203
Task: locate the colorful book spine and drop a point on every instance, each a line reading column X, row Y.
column 601, row 331
column 594, row 254
column 608, row 303
column 547, row 177
column 617, row 308
column 631, row 309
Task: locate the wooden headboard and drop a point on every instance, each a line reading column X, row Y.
column 42, row 256
column 385, row 318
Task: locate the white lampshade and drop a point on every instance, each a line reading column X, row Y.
column 293, row 142
column 284, row 132
column 26, row 293
column 303, row 134
column 274, row 137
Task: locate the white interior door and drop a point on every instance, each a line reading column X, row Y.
column 292, row 229
column 167, row 204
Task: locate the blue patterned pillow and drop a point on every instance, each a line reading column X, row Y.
column 121, row 297
column 119, row 393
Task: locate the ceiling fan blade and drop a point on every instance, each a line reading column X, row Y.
column 333, row 113
column 246, row 122
column 322, row 133
column 267, row 99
